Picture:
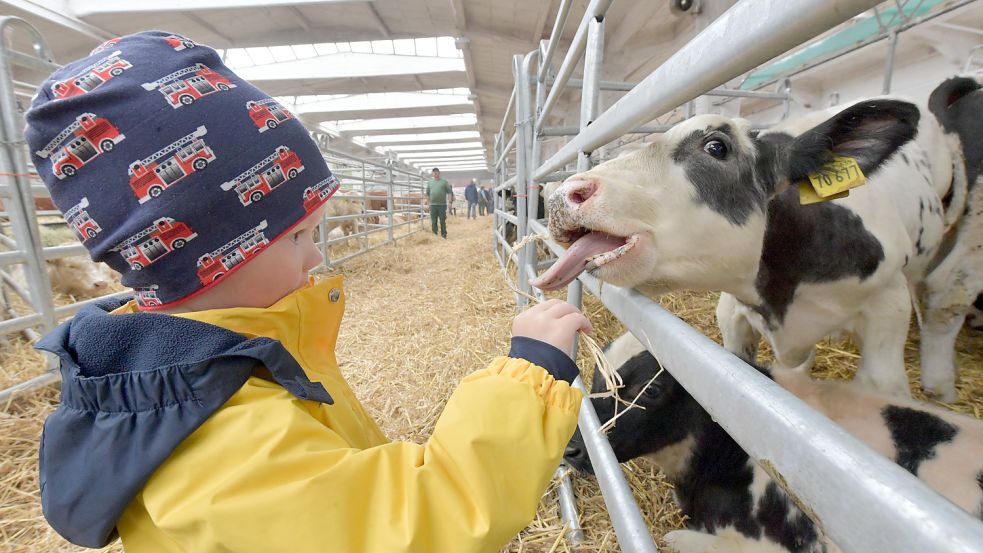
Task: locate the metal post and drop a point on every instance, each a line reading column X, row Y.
column 892, row 48
column 589, row 100
column 390, row 204
column 12, row 161
column 520, row 68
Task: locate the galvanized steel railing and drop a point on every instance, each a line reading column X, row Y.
column 823, row 466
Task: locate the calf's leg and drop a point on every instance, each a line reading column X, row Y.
column 740, row 338
column 882, row 329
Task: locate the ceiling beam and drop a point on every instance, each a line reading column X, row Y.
column 545, row 8
column 378, row 20
column 89, row 8
column 460, row 19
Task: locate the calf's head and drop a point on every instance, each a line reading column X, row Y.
column 660, row 426
column 689, row 210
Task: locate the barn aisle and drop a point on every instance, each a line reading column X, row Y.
column 424, row 314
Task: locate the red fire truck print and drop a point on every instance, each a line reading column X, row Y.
column 183, row 87
column 111, row 43
column 179, row 42
column 212, row 266
column 149, row 177
column 267, row 114
column 147, row 296
column 83, row 225
column 315, row 195
column 90, row 136
column 154, row 242
column 261, row 179
column 91, row 77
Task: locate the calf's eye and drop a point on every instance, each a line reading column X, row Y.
column 716, row 148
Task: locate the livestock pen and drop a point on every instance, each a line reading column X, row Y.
column 422, row 313
column 818, row 468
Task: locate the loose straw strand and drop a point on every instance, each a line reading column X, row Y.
column 611, row 377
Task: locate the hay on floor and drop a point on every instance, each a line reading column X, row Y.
column 420, row 316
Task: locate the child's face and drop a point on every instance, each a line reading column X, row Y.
column 279, row 270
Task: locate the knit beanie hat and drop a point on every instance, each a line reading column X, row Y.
column 169, row 167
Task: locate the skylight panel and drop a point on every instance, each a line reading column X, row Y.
column 236, row 58
column 362, row 47
column 435, row 147
column 304, row 51
column 404, row 47
column 383, row 47
column 282, row 53
column 426, row 47
column 397, row 138
column 446, row 48
column 326, row 48
column 261, row 55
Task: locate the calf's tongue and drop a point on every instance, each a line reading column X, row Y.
column 574, row 260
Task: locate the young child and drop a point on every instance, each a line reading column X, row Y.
column 209, row 414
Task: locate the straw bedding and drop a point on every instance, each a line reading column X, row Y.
column 420, row 316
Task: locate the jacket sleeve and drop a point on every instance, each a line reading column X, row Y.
column 268, row 475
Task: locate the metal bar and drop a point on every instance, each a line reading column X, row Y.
column 508, row 112
column 30, row 385
column 20, row 323
column 721, row 92
column 12, row 161
column 57, row 252
column 554, row 40
column 9, row 258
column 596, row 9
column 746, row 35
column 568, row 504
column 523, row 122
column 630, row 527
column 506, row 150
column 889, row 63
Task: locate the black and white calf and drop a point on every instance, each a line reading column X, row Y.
column 956, row 278
column 709, row 206
column 731, row 503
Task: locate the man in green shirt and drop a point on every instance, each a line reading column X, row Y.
column 437, row 191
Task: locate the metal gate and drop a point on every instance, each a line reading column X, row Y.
column 822, row 467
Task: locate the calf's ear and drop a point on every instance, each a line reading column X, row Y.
column 950, row 92
column 869, row 132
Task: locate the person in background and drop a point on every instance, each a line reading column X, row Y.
column 482, row 201
column 471, row 195
column 438, row 190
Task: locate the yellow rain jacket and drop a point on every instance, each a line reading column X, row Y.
column 269, row 472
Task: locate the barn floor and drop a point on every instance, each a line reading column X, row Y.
column 420, row 316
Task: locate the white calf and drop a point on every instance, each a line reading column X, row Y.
column 709, row 206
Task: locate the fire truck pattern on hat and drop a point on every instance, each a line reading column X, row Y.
column 169, row 167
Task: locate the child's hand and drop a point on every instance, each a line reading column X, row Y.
column 555, row 322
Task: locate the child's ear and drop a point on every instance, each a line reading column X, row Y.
column 869, row 132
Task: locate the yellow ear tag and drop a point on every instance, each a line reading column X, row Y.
column 837, row 176
column 807, row 195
